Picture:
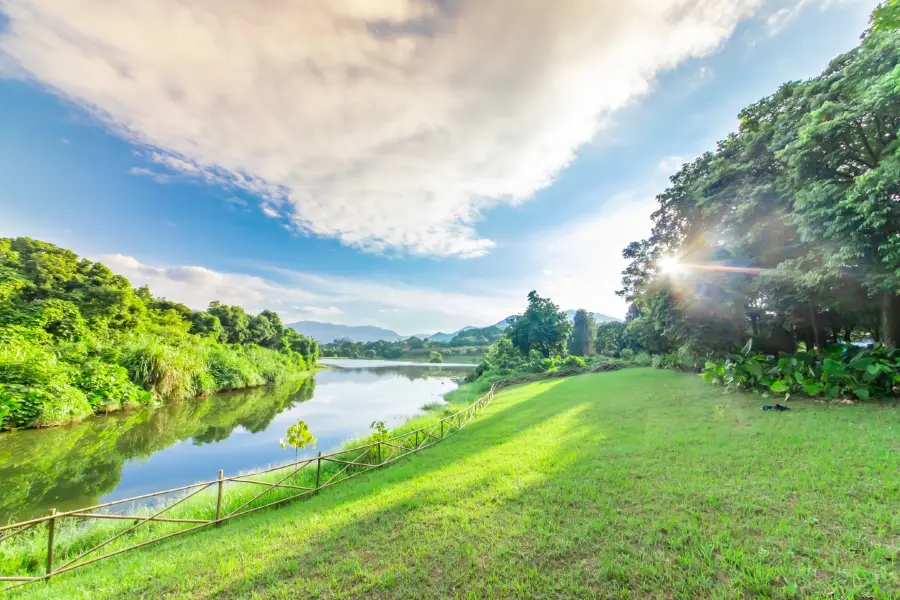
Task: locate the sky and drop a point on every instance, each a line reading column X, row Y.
column 419, row 165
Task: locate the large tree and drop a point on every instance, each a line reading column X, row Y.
column 790, row 231
column 584, row 332
column 543, row 327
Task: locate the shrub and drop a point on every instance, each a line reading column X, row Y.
column 573, row 361
column 36, row 388
column 626, row 353
column 842, row 371
column 231, row 369
column 642, row 359
column 166, row 370
column 108, row 387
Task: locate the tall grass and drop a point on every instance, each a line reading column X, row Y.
column 168, row 371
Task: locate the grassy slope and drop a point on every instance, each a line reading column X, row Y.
column 636, row 483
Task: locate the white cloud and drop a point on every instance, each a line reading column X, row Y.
column 319, row 311
column 586, row 269
column 198, row 286
column 154, row 175
column 670, row 164
column 269, row 211
column 300, row 295
column 388, row 124
column 237, row 201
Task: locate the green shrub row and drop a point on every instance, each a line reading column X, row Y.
column 841, row 371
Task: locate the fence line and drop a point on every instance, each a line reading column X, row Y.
column 395, row 447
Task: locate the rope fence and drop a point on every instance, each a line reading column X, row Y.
column 329, row 470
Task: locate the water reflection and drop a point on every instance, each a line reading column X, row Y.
column 127, row 454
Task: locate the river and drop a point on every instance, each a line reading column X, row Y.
column 127, row 454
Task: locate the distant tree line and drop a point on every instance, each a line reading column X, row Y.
column 470, row 342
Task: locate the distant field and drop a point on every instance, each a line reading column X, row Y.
column 632, row 484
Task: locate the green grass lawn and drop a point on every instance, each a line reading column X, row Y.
column 636, row 484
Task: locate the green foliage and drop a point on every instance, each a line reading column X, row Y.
column 380, row 432
column 610, row 338
column 886, row 16
column 789, row 232
column 476, row 337
column 76, row 339
column 36, row 388
column 470, row 343
column 573, row 361
column 298, row 437
column 435, row 357
column 642, row 359
column 108, row 386
column 543, row 327
column 626, row 353
column 584, row 333
column 844, row 371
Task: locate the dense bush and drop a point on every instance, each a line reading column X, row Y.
column 75, row 339
column 573, row 361
column 844, row 371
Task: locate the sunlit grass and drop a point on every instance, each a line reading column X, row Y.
column 636, row 483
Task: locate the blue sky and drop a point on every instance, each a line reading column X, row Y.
column 411, row 164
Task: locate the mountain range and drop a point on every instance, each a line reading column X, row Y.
column 328, row 332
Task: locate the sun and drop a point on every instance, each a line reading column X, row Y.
column 669, row 265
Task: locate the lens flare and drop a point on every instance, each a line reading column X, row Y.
column 669, row 265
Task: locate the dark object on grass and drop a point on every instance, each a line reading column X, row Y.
column 776, row 407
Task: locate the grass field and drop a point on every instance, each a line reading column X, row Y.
column 636, row 484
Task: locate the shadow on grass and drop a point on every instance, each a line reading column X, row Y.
column 624, row 484
column 515, row 418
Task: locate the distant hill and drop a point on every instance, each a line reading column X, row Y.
column 440, row 336
column 598, row 317
column 325, row 333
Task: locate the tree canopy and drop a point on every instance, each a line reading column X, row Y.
column 75, row 338
column 789, row 233
column 543, row 327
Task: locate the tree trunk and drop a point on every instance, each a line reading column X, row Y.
column 815, row 325
column 847, row 333
column 890, row 319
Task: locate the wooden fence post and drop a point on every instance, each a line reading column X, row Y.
column 219, row 499
column 318, row 470
column 51, row 532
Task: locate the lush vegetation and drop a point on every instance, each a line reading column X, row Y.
column 848, row 372
column 467, row 346
column 639, row 483
column 789, row 232
column 784, row 241
column 76, row 339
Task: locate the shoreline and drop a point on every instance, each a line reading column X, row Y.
column 129, row 408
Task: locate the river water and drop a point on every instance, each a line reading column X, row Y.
column 127, row 454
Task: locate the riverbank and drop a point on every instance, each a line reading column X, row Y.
column 73, row 536
column 125, row 454
column 467, row 361
column 637, row 482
